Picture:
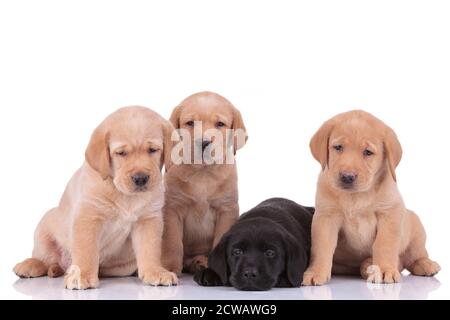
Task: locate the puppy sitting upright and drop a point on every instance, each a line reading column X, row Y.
column 268, row 247
column 201, row 191
column 361, row 221
column 109, row 221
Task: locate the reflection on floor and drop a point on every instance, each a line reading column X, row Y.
column 340, row 288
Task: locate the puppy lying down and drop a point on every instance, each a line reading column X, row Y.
column 268, row 247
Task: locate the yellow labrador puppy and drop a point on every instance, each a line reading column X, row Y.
column 109, row 221
column 202, row 196
column 361, row 221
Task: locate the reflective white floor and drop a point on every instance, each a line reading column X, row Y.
column 340, row 288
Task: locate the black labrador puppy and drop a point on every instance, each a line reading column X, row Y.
column 268, row 247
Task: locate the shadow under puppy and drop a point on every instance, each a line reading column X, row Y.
column 109, row 220
column 268, row 247
column 201, row 195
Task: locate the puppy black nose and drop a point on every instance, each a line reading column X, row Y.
column 205, row 143
column 348, row 178
column 250, row 273
column 140, row 179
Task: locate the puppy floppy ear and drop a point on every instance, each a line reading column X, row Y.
column 393, row 151
column 175, row 117
column 239, row 129
column 97, row 152
column 296, row 261
column 218, row 260
column 166, row 156
column 319, row 143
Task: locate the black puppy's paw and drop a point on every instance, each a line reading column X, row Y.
column 207, row 277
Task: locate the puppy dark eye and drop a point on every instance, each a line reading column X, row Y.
column 368, row 153
column 237, row 252
column 190, row 123
column 121, row 153
column 220, row 124
column 152, row 150
column 269, row 253
column 339, row 148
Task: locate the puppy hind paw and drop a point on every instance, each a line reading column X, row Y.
column 194, row 264
column 30, row 268
column 201, row 261
column 425, row 268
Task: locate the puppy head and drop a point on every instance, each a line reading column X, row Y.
column 355, row 150
column 255, row 254
column 212, row 122
column 130, row 146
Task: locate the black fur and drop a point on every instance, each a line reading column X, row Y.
column 277, row 224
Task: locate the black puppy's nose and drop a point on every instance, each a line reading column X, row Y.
column 348, row 178
column 250, row 273
column 205, row 143
column 140, row 179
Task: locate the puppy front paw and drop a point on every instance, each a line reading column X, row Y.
column 315, row 277
column 207, row 278
column 158, row 277
column 76, row 280
column 383, row 275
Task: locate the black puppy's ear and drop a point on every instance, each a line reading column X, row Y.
column 218, row 261
column 296, row 261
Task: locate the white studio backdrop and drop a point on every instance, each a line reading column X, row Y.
column 287, row 65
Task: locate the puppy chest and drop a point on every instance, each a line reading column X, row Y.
column 359, row 232
column 199, row 225
column 114, row 235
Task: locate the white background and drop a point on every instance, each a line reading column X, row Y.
column 287, row 65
